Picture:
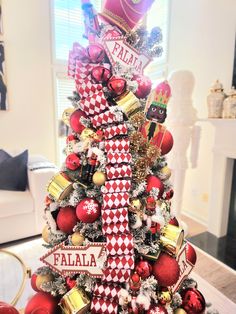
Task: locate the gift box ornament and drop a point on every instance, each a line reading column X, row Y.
column 94, row 104
column 172, row 238
column 128, row 103
column 59, row 187
column 122, row 171
column 103, row 306
column 75, row 301
column 125, row 13
column 119, row 158
column 115, row 130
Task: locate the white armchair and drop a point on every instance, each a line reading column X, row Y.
column 21, row 213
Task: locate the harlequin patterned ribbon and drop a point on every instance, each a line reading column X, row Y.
column 115, row 221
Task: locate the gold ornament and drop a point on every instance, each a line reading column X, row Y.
column 165, row 297
column 140, row 169
column 165, row 172
column 45, row 234
column 135, row 205
column 153, row 153
column 75, row 301
column 180, row 311
column 172, row 238
column 99, row 178
column 87, row 134
column 66, row 115
column 77, row 238
column 129, row 104
column 138, row 119
column 41, row 279
column 59, row 187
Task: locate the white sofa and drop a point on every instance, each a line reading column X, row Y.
column 21, row 213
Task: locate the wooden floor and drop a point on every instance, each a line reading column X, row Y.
column 217, row 274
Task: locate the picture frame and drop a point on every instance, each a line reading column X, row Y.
column 3, row 87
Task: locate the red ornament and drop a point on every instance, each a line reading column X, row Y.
column 150, row 203
column 174, row 222
column 157, row 309
column 144, row 86
column 135, row 282
column 166, row 270
column 33, row 282
column 193, row 301
column 72, row 162
column 143, row 269
column 95, row 53
column 167, row 143
column 88, row 210
column 66, row 219
column 70, row 283
column 70, row 138
column 7, row 308
column 41, row 303
column 191, row 254
column 117, row 85
column 75, row 123
column 101, row 74
column 169, row 194
column 155, row 182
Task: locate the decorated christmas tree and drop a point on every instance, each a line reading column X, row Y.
column 113, row 243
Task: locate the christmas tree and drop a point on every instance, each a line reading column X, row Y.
column 113, row 243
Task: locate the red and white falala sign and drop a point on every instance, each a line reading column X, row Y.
column 69, row 260
column 185, row 267
column 118, row 50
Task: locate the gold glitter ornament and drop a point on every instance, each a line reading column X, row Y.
column 180, row 311
column 77, row 238
column 153, row 153
column 99, row 178
column 138, row 119
column 165, row 297
column 165, row 172
column 66, row 115
column 87, row 134
column 140, row 169
column 135, row 205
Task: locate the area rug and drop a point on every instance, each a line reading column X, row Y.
column 31, row 251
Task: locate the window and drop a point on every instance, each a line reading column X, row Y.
column 159, row 16
column 68, row 27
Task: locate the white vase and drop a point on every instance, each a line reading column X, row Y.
column 229, row 105
column 215, row 101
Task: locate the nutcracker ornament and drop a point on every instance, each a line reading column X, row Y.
column 156, row 111
column 156, row 106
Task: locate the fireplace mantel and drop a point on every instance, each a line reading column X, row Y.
column 224, row 153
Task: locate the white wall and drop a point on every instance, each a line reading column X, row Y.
column 29, row 123
column 202, row 36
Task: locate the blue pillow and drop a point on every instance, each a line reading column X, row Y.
column 3, row 155
column 13, row 173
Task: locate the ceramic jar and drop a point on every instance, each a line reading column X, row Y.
column 215, row 100
column 229, row 105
